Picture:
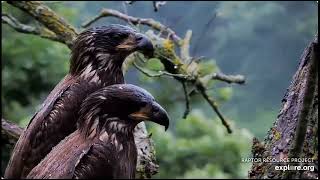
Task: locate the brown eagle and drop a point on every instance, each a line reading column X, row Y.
column 96, row 58
column 103, row 145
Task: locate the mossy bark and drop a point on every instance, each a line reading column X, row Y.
column 295, row 131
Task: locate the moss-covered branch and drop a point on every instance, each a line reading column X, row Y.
column 239, row 79
column 23, row 28
column 48, row 18
column 180, row 69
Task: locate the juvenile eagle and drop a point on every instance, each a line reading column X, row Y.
column 96, row 58
column 103, row 145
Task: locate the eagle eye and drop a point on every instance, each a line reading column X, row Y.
column 143, row 104
column 120, row 36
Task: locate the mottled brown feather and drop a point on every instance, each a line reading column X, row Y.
column 28, row 140
column 60, row 163
column 79, row 158
column 54, row 121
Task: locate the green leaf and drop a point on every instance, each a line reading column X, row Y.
column 207, row 67
column 225, row 93
column 154, row 64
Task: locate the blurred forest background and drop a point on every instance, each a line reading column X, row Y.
column 261, row 40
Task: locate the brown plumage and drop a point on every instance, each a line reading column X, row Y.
column 103, row 145
column 97, row 57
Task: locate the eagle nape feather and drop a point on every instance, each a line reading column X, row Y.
column 103, row 144
column 96, row 59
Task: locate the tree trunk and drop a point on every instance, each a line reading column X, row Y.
column 295, row 132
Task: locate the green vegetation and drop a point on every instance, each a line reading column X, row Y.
column 200, row 148
column 261, row 40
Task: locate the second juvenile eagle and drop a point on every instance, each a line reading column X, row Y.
column 103, row 145
column 96, row 58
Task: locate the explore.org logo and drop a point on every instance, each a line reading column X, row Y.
column 294, row 168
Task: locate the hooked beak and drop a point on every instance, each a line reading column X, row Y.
column 155, row 114
column 144, row 45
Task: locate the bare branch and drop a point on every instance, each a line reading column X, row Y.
column 48, row 18
column 10, row 131
column 185, row 46
column 145, row 72
column 187, row 110
column 160, row 73
column 130, row 2
column 239, row 79
column 214, row 107
column 157, row 4
column 203, row 33
column 134, row 20
column 52, row 2
column 19, row 27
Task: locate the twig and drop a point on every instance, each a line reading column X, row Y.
column 11, row 131
column 196, row 59
column 52, row 2
column 134, row 20
column 19, row 27
column 160, row 73
column 130, row 2
column 140, row 58
column 239, row 79
column 203, row 33
column 157, row 4
column 214, row 107
column 184, row 52
column 125, row 10
column 187, row 110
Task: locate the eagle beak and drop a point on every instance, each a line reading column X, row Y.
column 144, row 45
column 160, row 116
column 155, row 114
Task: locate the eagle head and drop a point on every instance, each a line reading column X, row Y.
column 123, row 104
column 107, row 46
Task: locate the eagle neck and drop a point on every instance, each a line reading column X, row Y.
column 103, row 68
column 119, row 127
column 126, row 149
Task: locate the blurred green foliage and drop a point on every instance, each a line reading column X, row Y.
column 246, row 38
column 154, row 64
column 31, row 66
column 200, row 148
